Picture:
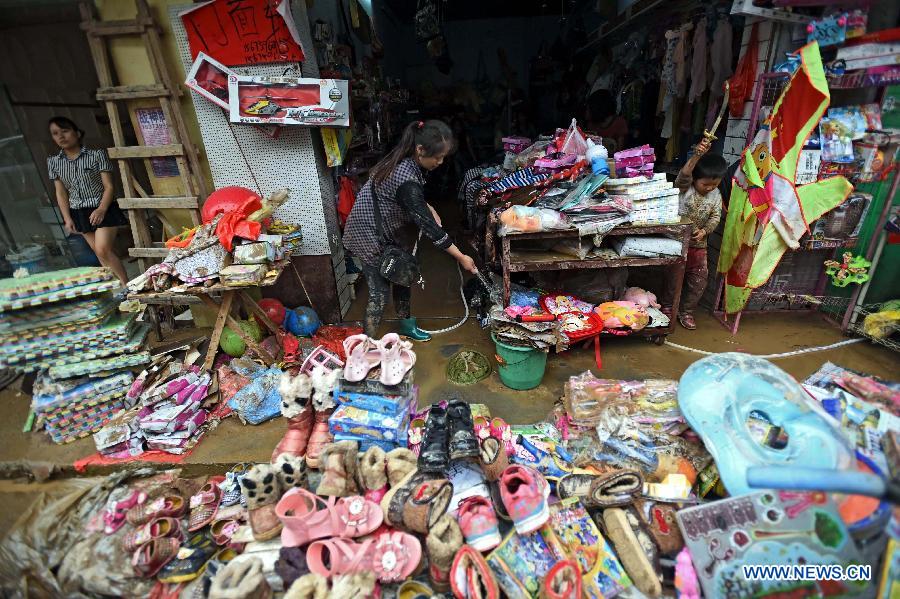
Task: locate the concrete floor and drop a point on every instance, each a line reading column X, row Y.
column 439, row 306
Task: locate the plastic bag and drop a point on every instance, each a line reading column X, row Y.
column 260, row 400
column 531, row 220
column 574, row 142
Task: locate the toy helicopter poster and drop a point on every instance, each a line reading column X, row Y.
column 289, row 101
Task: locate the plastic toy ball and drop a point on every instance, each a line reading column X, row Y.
column 302, row 321
column 274, row 309
column 232, row 344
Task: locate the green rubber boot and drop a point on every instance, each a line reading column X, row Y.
column 409, row 329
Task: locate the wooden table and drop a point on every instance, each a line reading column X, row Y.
column 521, row 259
column 226, row 295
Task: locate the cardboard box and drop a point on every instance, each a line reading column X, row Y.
column 289, row 101
column 209, row 78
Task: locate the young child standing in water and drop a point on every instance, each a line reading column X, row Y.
column 701, row 202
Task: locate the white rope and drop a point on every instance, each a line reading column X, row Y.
column 462, row 295
column 789, row 354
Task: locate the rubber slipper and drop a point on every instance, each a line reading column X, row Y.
column 172, row 506
column 393, row 556
column 150, row 558
column 204, row 505
column 191, row 560
column 155, row 529
column 397, row 358
column 307, row 517
column 362, row 355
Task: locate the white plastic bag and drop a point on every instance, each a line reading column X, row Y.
column 574, row 142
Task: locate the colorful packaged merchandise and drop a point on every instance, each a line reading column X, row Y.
column 602, row 574
column 372, row 402
column 520, row 562
column 376, row 425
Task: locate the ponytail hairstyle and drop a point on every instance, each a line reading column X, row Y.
column 434, row 136
column 64, row 122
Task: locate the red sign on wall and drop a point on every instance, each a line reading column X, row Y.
column 241, row 32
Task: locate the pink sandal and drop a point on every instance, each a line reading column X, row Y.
column 304, row 520
column 502, row 431
column 362, row 355
column 397, row 358
column 393, row 556
column 114, row 517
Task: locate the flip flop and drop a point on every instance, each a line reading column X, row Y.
column 397, row 358
column 362, row 355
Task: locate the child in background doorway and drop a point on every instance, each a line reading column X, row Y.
column 701, row 202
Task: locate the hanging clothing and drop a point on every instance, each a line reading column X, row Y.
column 681, row 61
column 698, row 62
column 720, row 57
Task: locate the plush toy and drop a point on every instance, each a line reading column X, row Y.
column 622, row 314
column 851, row 269
column 645, row 299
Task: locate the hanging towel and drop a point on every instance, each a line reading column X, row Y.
column 720, row 57
column 698, row 63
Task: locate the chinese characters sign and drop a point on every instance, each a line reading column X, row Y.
column 242, row 32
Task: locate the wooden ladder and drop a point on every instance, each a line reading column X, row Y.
column 137, row 200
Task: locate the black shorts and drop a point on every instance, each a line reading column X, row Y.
column 82, row 218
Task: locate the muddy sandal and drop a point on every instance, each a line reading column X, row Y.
column 204, row 505
column 155, row 529
column 150, row 558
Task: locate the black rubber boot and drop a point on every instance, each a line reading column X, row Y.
column 433, row 458
column 463, row 443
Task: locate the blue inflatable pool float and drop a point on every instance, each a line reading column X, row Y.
column 717, row 395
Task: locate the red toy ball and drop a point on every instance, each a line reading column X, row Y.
column 274, row 309
column 226, row 200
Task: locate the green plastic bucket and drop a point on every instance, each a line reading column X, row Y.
column 520, row 368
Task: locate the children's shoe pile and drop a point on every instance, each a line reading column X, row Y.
column 66, row 319
column 654, row 200
column 75, row 408
column 376, row 395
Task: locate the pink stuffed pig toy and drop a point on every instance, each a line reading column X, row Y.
column 641, row 297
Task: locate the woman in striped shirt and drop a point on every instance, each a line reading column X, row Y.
column 84, row 191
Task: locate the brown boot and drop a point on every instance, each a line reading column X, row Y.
column 443, row 541
column 416, row 504
column 399, row 463
column 339, row 463
column 372, row 474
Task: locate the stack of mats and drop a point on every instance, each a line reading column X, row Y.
column 372, row 414
column 654, row 200
column 67, row 320
column 83, row 409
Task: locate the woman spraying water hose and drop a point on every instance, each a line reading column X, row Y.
column 397, row 185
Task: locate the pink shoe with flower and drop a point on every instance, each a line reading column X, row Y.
column 415, row 435
column 479, row 524
column 524, row 493
column 482, row 428
column 502, row 431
